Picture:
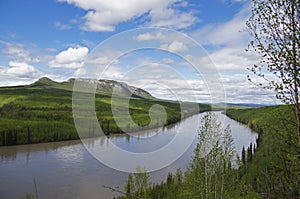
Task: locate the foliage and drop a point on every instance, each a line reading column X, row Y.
column 269, row 170
column 28, row 196
column 138, row 183
column 275, row 28
column 273, row 170
column 209, row 174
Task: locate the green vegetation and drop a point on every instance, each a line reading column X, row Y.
column 225, row 106
column 209, row 174
column 274, row 169
column 28, row 196
column 42, row 112
column 268, row 168
column 274, row 27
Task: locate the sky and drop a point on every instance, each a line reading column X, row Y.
column 197, row 46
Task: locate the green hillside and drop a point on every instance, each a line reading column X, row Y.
column 42, row 111
column 274, row 169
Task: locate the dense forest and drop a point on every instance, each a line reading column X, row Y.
column 42, row 111
column 268, row 168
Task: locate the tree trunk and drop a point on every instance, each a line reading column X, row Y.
column 294, row 62
column 298, row 120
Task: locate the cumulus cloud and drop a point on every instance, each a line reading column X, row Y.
column 20, row 69
column 71, row 58
column 103, row 15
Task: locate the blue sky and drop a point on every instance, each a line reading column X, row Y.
column 54, row 37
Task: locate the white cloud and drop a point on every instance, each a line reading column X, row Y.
column 233, row 1
column 171, row 18
column 50, row 49
column 168, row 61
column 167, row 38
column 233, row 59
column 62, row 26
column 148, row 36
column 20, row 52
column 88, row 43
column 225, row 60
column 70, row 58
column 229, row 33
column 229, row 40
column 175, row 46
column 103, row 15
column 17, row 52
column 20, row 69
column 239, row 90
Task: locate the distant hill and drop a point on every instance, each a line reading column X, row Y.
column 225, row 105
column 248, row 105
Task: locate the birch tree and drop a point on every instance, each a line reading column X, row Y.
column 275, row 28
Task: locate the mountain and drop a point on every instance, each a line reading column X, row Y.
column 103, row 86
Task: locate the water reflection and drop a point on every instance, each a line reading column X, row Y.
column 67, row 170
column 20, row 152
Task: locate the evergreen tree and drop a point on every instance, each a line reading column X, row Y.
column 243, row 155
column 250, row 152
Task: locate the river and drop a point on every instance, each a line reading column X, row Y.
column 68, row 170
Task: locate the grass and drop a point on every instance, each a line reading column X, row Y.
column 42, row 112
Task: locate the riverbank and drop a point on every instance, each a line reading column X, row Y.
column 42, row 112
column 27, row 124
column 30, row 132
column 267, row 169
column 276, row 157
column 68, row 170
column 264, row 118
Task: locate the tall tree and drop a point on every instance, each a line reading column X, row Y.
column 129, row 187
column 244, row 155
column 275, row 28
column 207, row 175
column 141, row 181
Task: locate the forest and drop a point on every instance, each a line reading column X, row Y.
column 268, row 168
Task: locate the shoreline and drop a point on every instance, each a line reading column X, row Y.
column 109, row 134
